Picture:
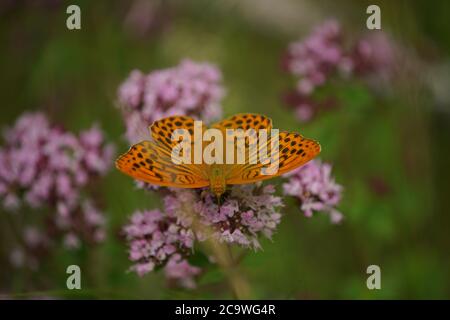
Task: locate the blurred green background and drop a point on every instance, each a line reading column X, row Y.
column 399, row 140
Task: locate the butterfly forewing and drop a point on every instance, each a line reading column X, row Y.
column 162, row 132
column 293, row 152
column 148, row 161
column 243, row 136
column 245, row 121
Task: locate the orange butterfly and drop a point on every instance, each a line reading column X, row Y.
column 151, row 162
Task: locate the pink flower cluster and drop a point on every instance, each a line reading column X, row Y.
column 191, row 88
column 322, row 54
column 316, row 57
column 42, row 165
column 247, row 212
column 158, row 239
column 315, row 188
column 167, row 239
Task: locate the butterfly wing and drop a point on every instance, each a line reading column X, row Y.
column 147, row 161
column 250, row 124
column 245, row 121
column 151, row 161
column 294, row 151
column 162, row 130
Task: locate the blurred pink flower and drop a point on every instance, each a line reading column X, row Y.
column 145, row 18
column 191, row 88
column 373, row 54
column 316, row 57
column 179, row 270
column 322, row 55
column 315, row 188
column 44, row 166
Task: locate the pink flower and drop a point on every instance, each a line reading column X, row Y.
column 71, row 241
column 315, row 188
column 322, row 55
column 131, row 91
column 181, row 271
column 154, row 238
column 166, row 238
column 43, row 166
column 191, row 88
column 373, row 54
column 247, row 212
column 315, row 58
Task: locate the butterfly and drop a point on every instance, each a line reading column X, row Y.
column 151, row 162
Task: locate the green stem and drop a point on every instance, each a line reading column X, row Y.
column 238, row 283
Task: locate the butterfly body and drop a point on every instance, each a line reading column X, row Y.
column 152, row 162
column 217, row 182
